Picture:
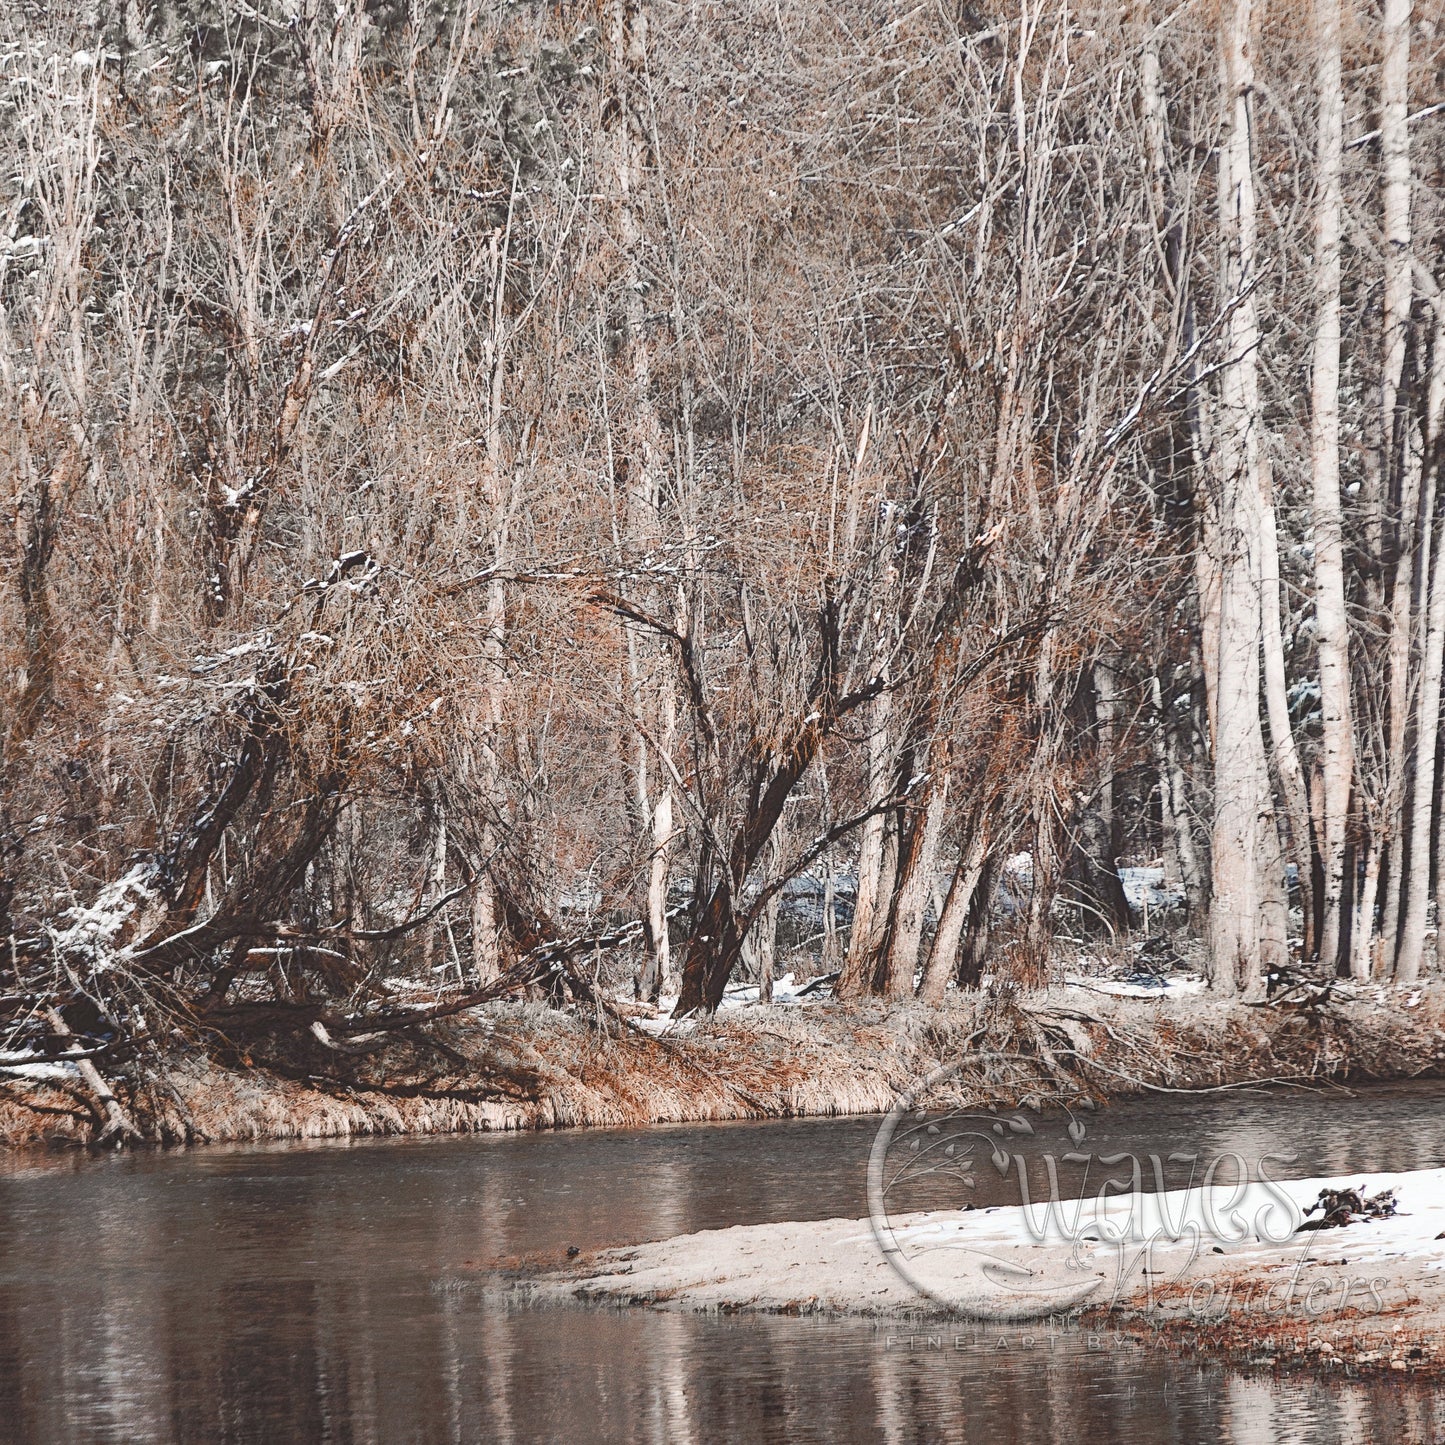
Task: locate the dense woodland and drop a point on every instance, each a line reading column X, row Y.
column 494, row 492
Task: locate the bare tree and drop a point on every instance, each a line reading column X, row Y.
column 1337, row 751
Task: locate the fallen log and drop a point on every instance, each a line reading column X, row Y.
column 118, row 1124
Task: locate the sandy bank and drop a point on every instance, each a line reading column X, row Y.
column 1222, row 1270
column 524, row 1066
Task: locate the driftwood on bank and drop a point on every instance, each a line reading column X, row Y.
column 118, row 1124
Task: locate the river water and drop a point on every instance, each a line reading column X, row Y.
column 351, row 1292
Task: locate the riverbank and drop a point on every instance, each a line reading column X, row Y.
column 1219, row 1272
column 525, row 1066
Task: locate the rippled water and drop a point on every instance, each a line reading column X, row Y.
column 347, row 1292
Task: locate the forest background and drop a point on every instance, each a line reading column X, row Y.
column 497, row 493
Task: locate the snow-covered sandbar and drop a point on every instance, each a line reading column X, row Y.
column 1225, row 1269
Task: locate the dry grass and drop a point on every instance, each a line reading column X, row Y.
column 522, row 1066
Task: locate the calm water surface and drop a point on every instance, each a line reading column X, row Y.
column 345, row 1293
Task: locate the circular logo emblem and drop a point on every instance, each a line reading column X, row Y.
column 983, row 1211
column 981, row 1261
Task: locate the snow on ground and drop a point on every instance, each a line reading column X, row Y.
column 1176, row 985
column 1195, row 1240
column 1145, row 887
column 1220, row 1249
column 664, row 1023
column 37, row 1070
column 787, row 990
column 1256, row 1218
column 93, row 930
column 790, row 991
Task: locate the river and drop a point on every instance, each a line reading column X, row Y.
column 351, row 1292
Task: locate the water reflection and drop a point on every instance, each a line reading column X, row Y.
column 345, row 1293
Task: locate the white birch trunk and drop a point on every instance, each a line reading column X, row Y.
column 657, row 885
column 1395, row 158
column 1281, row 733
column 830, row 919
column 1402, row 636
column 651, row 673
column 1242, row 907
column 767, row 947
column 943, row 957
column 1417, row 894
column 1362, row 954
column 1337, row 763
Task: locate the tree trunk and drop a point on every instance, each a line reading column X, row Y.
column 915, row 887
column 712, row 954
column 1281, row 732
column 1034, row 957
column 650, row 671
column 883, row 912
column 35, row 528
column 1173, row 781
column 1395, row 161
column 761, row 944
column 1402, row 636
column 717, row 938
column 486, row 912
column 658, row 964
column 974, row 952
column 1427, row 726
column 943, row 958
column 1363, row 961
column 765, row 944
column 1174, row 806
column 438, row 875
column 1099, row 826
column 870, row 900
column 118, row 1124
column 1337, row 763
column 1242, row 902
column 1273, row 911
column 1395, row 173
column 486, row 922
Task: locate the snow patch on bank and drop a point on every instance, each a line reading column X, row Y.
column 1170, row 1252
column 788, row 991
column 25, row 1070
column 1167, row 986
column 1261, row 1216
